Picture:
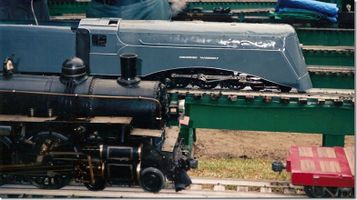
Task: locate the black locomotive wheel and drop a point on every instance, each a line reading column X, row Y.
column 316, row 192
column 152, row 179
column 235, row 85
column 47, row 141
column 50, row 182
column 98, row 185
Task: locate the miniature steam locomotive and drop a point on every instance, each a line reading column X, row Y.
column 204, row 54
column 73, row 126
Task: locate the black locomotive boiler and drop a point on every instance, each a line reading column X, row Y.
column 59, row 128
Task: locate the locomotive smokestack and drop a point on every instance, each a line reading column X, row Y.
column 128, row 69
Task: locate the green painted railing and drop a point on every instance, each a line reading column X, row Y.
column 329, row 58
column 332, row 120
column 326, row 36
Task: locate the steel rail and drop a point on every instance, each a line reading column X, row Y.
column 267, row 186
column 332, row 69
column 201, row 187
column 320, row 94
column 338, row 77
column 328, row 48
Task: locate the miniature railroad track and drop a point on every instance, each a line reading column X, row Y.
column 319, row 96
column 281, row 187
column 252, row 10
column 340, row 49
column 338, row 77
column 325, row 36
column 331, row 69
column 331, row 109
column 201, row 188
column 329, row 55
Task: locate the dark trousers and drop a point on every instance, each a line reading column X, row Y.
column 21, row 10
column 144, row 9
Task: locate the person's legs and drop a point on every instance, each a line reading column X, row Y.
column 147, row 10
column 157, row 9
column 21, row 10
column 97, row 10
column 41, row 10
column 4, row 9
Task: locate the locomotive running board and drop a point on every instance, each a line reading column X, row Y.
column 146, row 132
column 171, row 135
column 24, row 118
column 92, row 120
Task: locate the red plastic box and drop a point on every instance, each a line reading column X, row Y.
column 322, row 166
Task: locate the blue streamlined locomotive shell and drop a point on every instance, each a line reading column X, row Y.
column 271, row 52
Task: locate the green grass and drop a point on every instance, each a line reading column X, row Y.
column 250, row 169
